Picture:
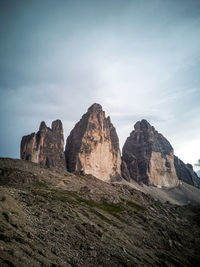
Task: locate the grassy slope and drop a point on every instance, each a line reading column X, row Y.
column 49, row 217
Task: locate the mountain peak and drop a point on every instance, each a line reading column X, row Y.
column 46, row 146
column 143, row 125
column 43, row 126
column 148, row 157
column 93, row 146
column 95, row 108
column 56, row 125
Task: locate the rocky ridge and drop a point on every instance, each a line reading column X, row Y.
column 45, row 147
column 186, row 173
column 93, row 146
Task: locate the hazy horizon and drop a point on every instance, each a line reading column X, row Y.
column 138, row 59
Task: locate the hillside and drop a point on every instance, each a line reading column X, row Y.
column 49, row 217
column 182, row 194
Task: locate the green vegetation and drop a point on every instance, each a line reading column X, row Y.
column 74, row 198
column 40, row 185
column 101, row 216
column 135, row 205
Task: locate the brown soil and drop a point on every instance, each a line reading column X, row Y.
column 49, row 217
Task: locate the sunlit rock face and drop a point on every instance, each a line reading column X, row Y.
column 93, row 146
column 186, row 173
column 46, row 146
column 148, row 157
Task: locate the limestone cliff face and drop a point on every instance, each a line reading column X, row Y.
column 185, row 173
column 46, row 146
column 148, row 157
column 93, row 146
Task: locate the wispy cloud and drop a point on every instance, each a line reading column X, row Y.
column 56, row 60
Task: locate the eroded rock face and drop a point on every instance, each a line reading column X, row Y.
column 148, row 157
column 93, row 146
column 185, row 172
column 46, row 146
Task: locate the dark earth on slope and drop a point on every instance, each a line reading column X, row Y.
column 49, row 217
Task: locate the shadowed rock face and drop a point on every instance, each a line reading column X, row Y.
column 148, row 157
column 185, row 172
column 93, row 146
column 46, row 146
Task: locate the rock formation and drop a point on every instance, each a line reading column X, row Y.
column 93, row 146
column 46, row 146
column 185, row 172
column 148, row 157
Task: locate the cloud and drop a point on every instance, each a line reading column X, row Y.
column 198, row 163
column 56, row 60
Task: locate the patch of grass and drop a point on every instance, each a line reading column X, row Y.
column 104, row 205
column 120, row 218
column 40, row 185
column 76, row 198
column 63, row 196
column 111, row 207
column 135, row 205
column 102, row 217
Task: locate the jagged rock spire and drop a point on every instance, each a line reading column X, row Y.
column 46, row 146
column 93, row 146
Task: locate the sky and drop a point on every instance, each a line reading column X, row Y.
column 140, row 59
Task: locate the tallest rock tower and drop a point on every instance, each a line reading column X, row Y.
column 93, row 146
